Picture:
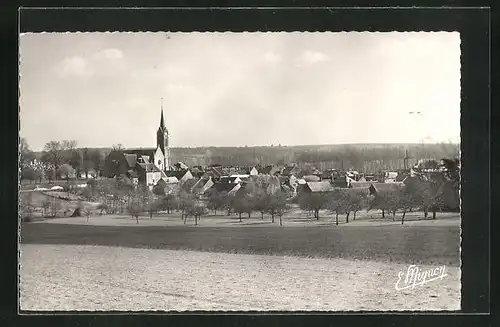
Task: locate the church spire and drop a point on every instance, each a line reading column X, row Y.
column 162, row 121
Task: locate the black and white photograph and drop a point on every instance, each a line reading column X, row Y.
column 253, row 171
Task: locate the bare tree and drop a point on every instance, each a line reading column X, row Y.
column 240, row 205
column 66, row 170
column 336, row 204
column 26, row 206
column 102, row 207
column 314, row 202
column 55, row 207
column 45, row 206
column 185, row 201
column 69, row 145
column 96, row 158
column 215, row 201
column 117, row 147
column 260, row 203
column 134, row 208
column 158, row 190
column 87, row 211
column 25, row 154
column 168, row 203
column 53, row 154
column 277, row 205
column 196, row 210
column 28, row 173
column 357, row 201
column 87, row 163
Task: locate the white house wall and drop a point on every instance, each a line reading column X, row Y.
column 152, row 178
column 159, row 159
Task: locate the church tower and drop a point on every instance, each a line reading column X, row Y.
column 162, row 140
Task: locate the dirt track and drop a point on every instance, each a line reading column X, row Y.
column 69, row 277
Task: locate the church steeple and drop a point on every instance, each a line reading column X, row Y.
column 162, row 120
column 162, row 138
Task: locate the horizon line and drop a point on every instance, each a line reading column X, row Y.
column 269, row 146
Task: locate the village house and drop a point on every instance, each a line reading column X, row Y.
column 375, row 188
column 269, row 170
column 359, row 184
column 230, row 179
column 318, row 187
column 342, row 181
column 215, row 172
column 290, row 170
column 118, row 164
column 229, row 188
column 370, row 178
column 197, row 172
column 170, row 185
column 252, row 171
column 203, row 185
column 181, row 175
column 148, row 174
column 180, row 166
column 328, row 174
column 390, row 176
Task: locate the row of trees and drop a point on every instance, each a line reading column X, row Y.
column 430, row 190
column 58, row 159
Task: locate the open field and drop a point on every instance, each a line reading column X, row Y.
column 294, row 219
column 388, row 242
column 112, row 278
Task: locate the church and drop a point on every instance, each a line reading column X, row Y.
column 145, row 166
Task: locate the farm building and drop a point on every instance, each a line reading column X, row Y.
column 316, row 187
column 229, row 188
column 248, row 171
column 355, row 184
column 148, row 174
column 384, row 187
column 342, row 181
column 197, row 172
column 181, row 175
column 202, row 185
column 269, row 170
column 290, row 170
column 311, row 178
column 230, row 179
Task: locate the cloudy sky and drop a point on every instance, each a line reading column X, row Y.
column 234, row 89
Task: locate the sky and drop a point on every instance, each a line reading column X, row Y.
column 237, row 89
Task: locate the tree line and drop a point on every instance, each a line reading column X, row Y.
column 348, row 156
column 57, row 160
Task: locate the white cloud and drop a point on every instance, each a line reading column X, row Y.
column 84, row 67
column 310, row 57
column 74, row 66
column 272, row 57
column 109, row 54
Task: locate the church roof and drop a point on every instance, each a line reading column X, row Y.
column 131, row 159
column 149, row 167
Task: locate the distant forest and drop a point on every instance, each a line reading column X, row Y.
column 368, row 158
column 362, row 157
